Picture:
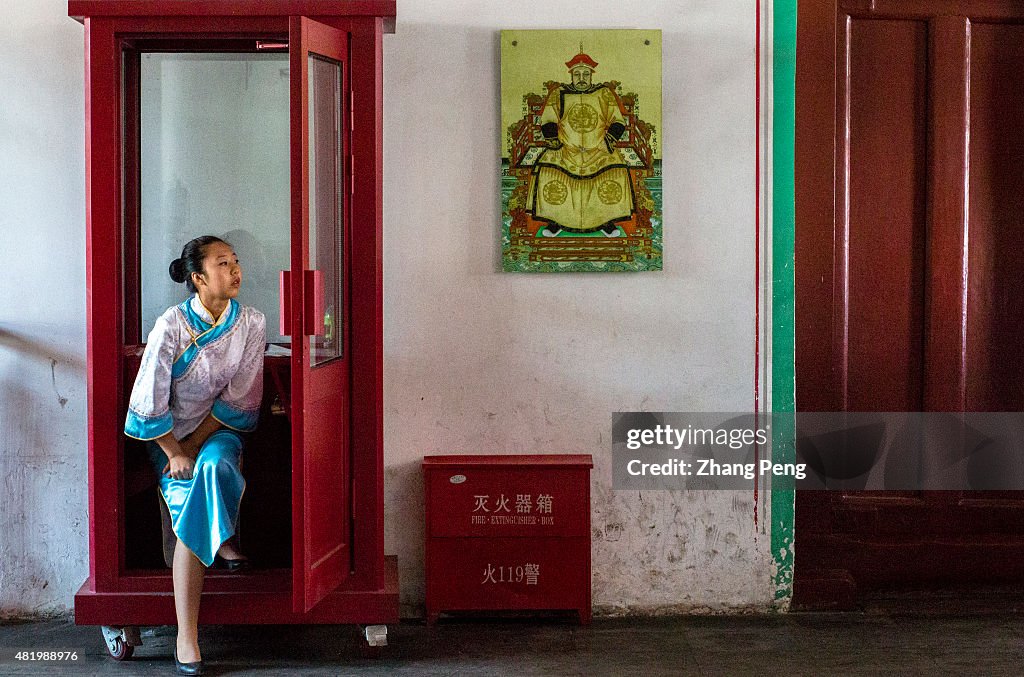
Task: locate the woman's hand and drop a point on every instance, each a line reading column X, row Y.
column 190, row 447
column 182, row 454
column 180, row 467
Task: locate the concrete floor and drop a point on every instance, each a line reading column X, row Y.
column 784, row 645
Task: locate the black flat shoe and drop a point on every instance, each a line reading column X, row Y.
column 236, row 565
column 195, row 668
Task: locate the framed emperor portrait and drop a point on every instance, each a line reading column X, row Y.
column 581, row 158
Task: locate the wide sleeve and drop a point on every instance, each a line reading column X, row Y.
column 149, row 413
column 613, row 116
column 550, row 115
column 238, row 405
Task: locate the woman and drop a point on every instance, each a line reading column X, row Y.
column 199, row 385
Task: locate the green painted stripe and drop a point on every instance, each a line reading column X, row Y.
column 783, row 318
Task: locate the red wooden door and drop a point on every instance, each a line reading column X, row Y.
column 321, row 477
column 910, row 140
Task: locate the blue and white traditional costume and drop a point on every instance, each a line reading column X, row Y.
column 195, row 365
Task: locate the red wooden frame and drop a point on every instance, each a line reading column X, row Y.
column 111, row 595
column 221, row 8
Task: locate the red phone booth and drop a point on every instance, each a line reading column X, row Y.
column 259, row 122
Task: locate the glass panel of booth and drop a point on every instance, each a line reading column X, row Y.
column 209, row 153
column 326, row 211
column 214, row 160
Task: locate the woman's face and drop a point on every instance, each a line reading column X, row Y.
column 222, row 273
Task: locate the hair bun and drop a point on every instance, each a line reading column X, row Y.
column 177, row 270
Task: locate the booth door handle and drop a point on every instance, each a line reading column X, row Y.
column 313, row 296
column 315, row 306
column 285, row 304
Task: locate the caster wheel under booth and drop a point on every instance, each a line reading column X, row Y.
column 121, row 642
column 372, row 640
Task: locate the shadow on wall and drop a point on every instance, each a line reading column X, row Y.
column 24, row 346
column 404, row 486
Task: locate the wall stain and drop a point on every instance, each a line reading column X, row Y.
column 53, row 377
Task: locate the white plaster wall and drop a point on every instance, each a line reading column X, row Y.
column 479, row 361
column 475, row 360
column 44, row 546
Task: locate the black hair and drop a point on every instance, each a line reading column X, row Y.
column 191, row 260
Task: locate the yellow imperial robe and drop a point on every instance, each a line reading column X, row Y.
column 584, row 183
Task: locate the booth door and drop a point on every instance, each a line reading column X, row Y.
column 318, row 311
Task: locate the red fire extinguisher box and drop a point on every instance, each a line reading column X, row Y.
column 507, row 533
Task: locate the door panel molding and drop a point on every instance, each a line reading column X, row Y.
column 976, row 10
column 948, row 234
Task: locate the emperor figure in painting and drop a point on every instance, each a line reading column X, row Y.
column 581, row 183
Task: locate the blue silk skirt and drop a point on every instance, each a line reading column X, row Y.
column 204, row 509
